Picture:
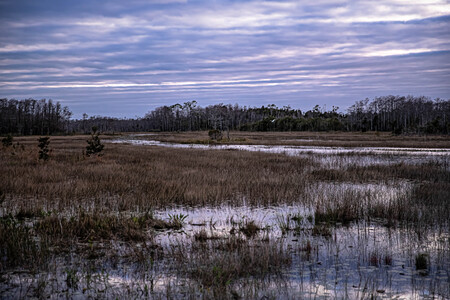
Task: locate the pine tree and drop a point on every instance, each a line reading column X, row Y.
column 94, row 146
column 43, row 146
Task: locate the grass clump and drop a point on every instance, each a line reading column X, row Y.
column 284, row 223
column 321, row 230
column 88, row 227
column 18, row 248
column 290, row 222
column 30, row 213
column 345, row 215
column 177, row 220
column 249, row 228
column 220, row 262
column 203, row 236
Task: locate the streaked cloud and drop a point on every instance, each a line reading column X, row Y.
column 99, row 57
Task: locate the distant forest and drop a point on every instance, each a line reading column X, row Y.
column 397, row 114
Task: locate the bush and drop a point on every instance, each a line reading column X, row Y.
column 215, row 134
column 7, row 141
column 43, row 146
column 94, row 146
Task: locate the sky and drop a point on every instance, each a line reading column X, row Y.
column 125, row 58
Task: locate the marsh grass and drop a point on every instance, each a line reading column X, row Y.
column 88, row 227
column 218, row 263
column 249, row 228
column 18, row 247
column 290, row 222
column 284, row 223
column 333, row 139
column 129, row 177
column 203, row 236
column 322, row 230
column 99, row 210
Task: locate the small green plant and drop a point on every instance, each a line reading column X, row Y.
column 7, row 141
column 72, row 278
column 94, row 147
column 177, row 221
column 43, row 148
column 290, row 222
column 41, row 284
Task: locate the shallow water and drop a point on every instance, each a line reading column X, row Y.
column 328, row 157
column 353, row 261
column 294, row 150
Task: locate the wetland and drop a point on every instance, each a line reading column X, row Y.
column 259, row 215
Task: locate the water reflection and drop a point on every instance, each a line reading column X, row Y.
column 293, row 150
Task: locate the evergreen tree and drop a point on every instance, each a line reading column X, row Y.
column 43, row 148
column 94, row 147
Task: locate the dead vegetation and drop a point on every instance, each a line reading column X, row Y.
column 72, row 203
column 217, row 263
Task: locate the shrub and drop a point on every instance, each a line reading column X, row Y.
column 215, row 134
column 94, row 147
column 43, row 148
column 7, row 141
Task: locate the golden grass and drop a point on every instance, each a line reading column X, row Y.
column 129, row 177
column 143, row 178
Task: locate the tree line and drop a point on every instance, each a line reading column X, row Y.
column 398, row 114
column 33, row 117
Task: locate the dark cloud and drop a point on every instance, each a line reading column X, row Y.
column 125, row 58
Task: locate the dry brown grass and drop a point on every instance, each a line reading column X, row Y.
column 143, row 178
column 92, row 227
column 217, row 263
column 138, row 178
column 83, row 203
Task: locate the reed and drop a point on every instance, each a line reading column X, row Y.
column 98, row 213
column 218, row 263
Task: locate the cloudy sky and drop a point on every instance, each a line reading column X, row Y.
column 125, row 58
